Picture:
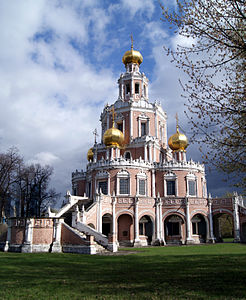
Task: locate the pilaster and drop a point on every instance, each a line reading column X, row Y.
column 27, row 246
column 189, row 240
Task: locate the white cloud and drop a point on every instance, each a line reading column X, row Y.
column 138, row 7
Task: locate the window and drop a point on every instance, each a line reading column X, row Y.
column 128, row 89
column 141, row 186
column 143, row 128
column 136, row 88
column 145, row 91
column 120, row 126
column 89, row 189
column 103, row 186
column 192, row 187
column 75, row 191
column 170, row 187
column 124, row 186
column 127, row 155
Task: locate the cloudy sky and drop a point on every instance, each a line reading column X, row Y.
column 59, row 65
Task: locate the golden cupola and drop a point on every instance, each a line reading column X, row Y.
column 178, row 141
column 132, row 56
column 113, row 137
column 90, row 154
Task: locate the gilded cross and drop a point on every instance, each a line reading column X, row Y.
column 177, row 121
column 131, row 41
column 95, row 134
column 113, row 114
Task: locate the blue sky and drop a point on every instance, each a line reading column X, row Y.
column 60, row 61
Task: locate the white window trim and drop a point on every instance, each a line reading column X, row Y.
column 143, row 119
column 191, row 177
column 123, row 175
column 141, row 176
column 167, row 177
column 102, row 176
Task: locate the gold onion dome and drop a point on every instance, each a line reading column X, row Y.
column 90, row 154
column 113, row 137
column 178, row 141
column 132, row 56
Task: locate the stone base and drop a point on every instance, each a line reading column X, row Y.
column 79, row 249
column 41, row 248
column 139, row 243
column 56, row 248
column 236, row 240
column 113, row 247
column 26, row 248
column 189, row 241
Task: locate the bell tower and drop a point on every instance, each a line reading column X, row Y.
column 133, row 85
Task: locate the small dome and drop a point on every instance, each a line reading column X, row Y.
column 90, row 154
column 178, row 141
column 113, row 137
column 132, row 56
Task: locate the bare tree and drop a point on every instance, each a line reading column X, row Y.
column 9, row 163
column 33, row 189
column 215, row 62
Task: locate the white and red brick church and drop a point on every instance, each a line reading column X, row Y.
column 138, row 188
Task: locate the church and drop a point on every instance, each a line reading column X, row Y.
column 138, row 188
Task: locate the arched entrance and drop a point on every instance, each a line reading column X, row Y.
column 146, row 228
column 106, row 224
column 199, row 228
column 223, row 227
column 174, row 229
column 125, row 229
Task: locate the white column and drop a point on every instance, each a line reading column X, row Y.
column 136, row 222
column 95, row 155
column 56, row 247
column 236, row 219
column 154, row 153
column 153, row 184
column 156, row 127
column 113, row 216
column 108, row 184
column 131, row 124
column 121, row 90
column 139, row 127
column 8, row 241
column 188, row 237
column 123, row 126
column 112, row 153
column 132, row 87
column 27, row 246
column 150, row 153
column 157, row 217
column 99, row 214
column 107, row 154
column 145, row 153
column 162, row 237
column 211, row 219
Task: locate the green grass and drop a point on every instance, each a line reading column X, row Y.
column 187, row 272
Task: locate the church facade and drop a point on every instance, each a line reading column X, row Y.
column 142, row 189
column 138, row 188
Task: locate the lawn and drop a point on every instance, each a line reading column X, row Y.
column 187, row 272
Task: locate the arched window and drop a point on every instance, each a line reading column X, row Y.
column 127, row 155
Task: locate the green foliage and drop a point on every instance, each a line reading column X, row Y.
column 187, row 272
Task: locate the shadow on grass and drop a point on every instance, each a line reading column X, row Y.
column 150, row 274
